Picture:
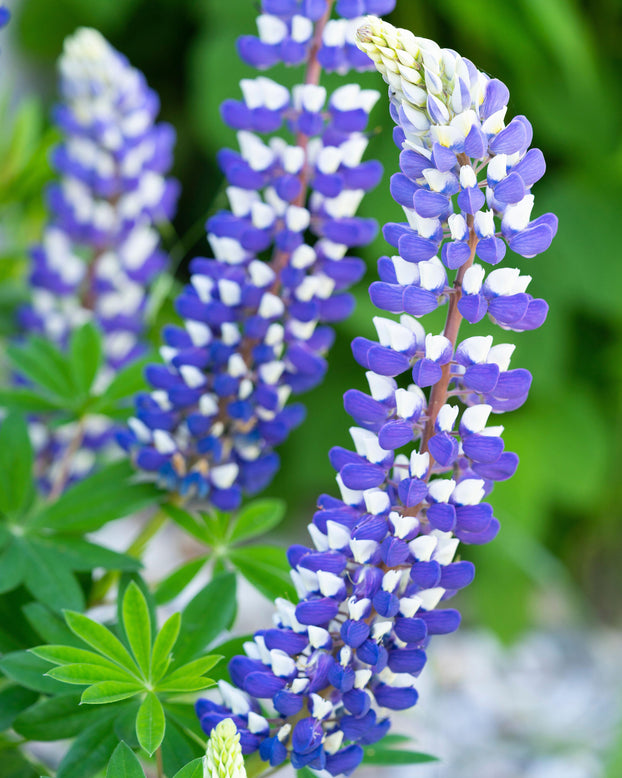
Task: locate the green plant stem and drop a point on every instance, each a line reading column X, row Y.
column 136, row 548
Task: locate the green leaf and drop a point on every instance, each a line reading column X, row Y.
column 84, row 556
column 228, row 650
column 101, row 639
column 70, row 655
column 92, row 748
column 29, row 671
column 28, row 401
column 257, row 518
column 13, row 700
column 49, row 581
column 110, row 691
column 305, row 773
column 124, row 763
column 150, row 723
column 178, row 748
column 13, row 565
column 15, row 764
column 49, row 625
column 188, row 523
column 210, row 612
column 44, row 365
column 86, row 355
column 137, row 624
column 103, row 497
column 126, row 383
column 16, row 458
column 189, row 674
column 125, row 722
column 388, row 756
column 126, row 580
column 177, row 581
column 163, row 645
column 85, row 674
column 192, row 770
column 267, row 569
column 56, row 718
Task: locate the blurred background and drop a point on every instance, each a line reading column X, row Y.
column 546, row 601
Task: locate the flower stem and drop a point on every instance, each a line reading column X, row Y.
column 159, row 763
column 439, row 393
column 136, row 548
column 64, row 470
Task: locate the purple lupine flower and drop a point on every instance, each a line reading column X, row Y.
column 374, row 588
column 5, row 16
column 256, row 331
column 100, row 249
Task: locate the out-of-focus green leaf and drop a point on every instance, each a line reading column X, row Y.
column 50, row 626
column 177, row 581
column 56, row 718
column 188, row 522
column 86, row 355
column 192, row 770
column 29, row 671
column 13, row 700
column 163, row 645
column 178, row 749
column 205, row 617
column 378, row 755
column 39, row 361
column 16, row 460
column 49, row 582
column 92, row 749
column 13, row 565
column 29, row 401
column 124, row 763
column 228, row 650
column 98, row 499
column 267, row 569
column 257, row 518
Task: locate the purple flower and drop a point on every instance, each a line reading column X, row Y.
column 100, row 249
column 256, row 331
column 374, row 588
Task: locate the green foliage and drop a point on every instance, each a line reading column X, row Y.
column 139, row 668
column 265, row 567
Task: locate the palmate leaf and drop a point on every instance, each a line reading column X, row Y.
column 13, row 700
column 29, row 671
column 48, row 580
column 178, row 747
column 101, row 639
column 177, row 581
column 379, row 755
column 110, row 691
column 40, row 362
column 13, row 565
column 86, row 674
column 192, row 770
column 92, row 749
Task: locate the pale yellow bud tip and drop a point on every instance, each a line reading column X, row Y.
column 364, row 33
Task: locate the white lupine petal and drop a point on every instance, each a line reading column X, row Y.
column 303, row 256
column 458, row 227
column 410, row 605
column 272, row 30
column 476, row 417
column 403, row 525
column 484, row 223
column 502, row 281
column 419, row 464
column 517, row 216
column 473, row 279
column 468, row 178
column 381, row 387
column 235, row 699
column 256, row 723
column 391, row 580
column 192, row 376
column 446, row 547
column 441, row 489
column 270, row 306
column 349, row 496
column 297, row 219
column 310, row 97
column 302, row 28
column 501, row 355
column 164, row 442
column 230, row 292
column 432, row 274
column 358, row 608
column 406, row 272
column 200, row 333
column 497, row 168
column 318, row 636
column 254, row 150
column 477, row 347
column 430, row 598
column 446, row 417
column 320, row 541
column 435, row 345
column 376, row 501
column 320, row 707
column 330, row 584
column 470, row 491
column 140, row 429
column 407, row 403
column 236, row 366
column 363, row 550
column 338, row 535
column 223, row 476
column 271, row 372
column 333, row 742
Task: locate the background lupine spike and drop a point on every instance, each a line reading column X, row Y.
column 257, row 316
column 100, row 249
column 224, row 755
column 384, row 558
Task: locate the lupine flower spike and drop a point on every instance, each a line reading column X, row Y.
column 224, row 755
column 335, row 665
column 100, row 249
column 258, row 315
